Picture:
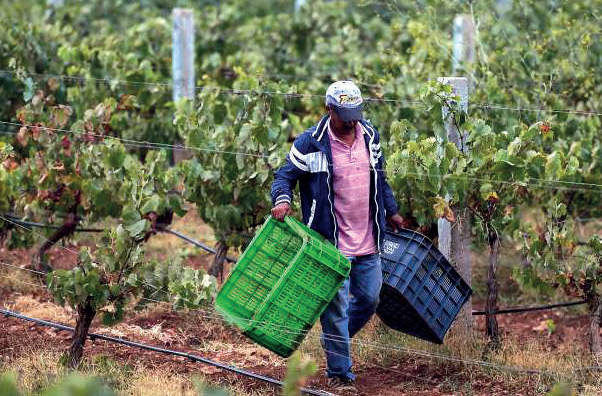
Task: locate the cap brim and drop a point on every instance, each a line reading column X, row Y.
column 349, row 114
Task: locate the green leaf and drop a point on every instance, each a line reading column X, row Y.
column 115, row 289
column 116, row 157
column 137, row 229
column 502, row 156
column 176, row 204
column 130, row 214
column 595, row 243
column 151, row 205
column 114, row 315
column 240, row 161
column 244, row 135
column 572, row 167
column 514, row 146
column 553, row 166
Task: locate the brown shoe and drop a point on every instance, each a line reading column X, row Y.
column 342, row 384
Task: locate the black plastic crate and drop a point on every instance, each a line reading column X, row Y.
column 422, row 292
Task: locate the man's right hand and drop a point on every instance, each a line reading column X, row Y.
column 281, row 210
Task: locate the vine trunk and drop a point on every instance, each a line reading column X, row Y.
column 595, row 344
column 492, row 291
column 85, row 315
column 217, row 267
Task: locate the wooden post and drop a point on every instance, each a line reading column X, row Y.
column 463, row 44
column 182, row 38
column 454, row 239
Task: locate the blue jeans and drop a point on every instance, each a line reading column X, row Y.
column 343, row 317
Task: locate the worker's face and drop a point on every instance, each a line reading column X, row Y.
column 338, row 124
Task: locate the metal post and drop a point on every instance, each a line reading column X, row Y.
column 454, row 239
column 182, row 38
column 299, row 4
column 182, row 53
column 463, row 44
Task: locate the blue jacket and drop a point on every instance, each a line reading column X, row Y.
column 309, row 162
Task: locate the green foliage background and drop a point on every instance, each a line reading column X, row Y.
column 261, row 73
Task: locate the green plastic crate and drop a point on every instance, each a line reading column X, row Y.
column 281, row 284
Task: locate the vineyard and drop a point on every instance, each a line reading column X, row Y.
column 130, row 184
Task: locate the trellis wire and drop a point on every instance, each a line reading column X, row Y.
column 385, row 171
column 167, row 231
column 219, row 89
column 484, row 106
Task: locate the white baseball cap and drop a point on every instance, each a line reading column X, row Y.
column 346, row 100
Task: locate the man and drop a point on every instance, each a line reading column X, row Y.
column 346, row 198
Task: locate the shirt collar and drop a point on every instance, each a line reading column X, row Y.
column 359, row 132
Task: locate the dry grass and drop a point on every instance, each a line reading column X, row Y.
column 38, row 369
column 378, row 346
column 18, row 281
column 35, row 370
column 43, row 310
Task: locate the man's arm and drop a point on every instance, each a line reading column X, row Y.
column 285, row 180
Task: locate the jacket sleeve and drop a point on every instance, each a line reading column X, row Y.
column 285, row 178
column 388, row 198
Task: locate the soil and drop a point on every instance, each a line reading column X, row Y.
column 413, row 376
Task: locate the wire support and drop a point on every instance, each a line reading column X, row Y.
column 225, row 90
column 140, row 143
column 3, row 218
column 50, row 226
column 538, row 183
column 194, row 358
column 208, row 249
column 217, row 89
column 493, row 106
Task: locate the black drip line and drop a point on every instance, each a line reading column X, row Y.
column 193, row 358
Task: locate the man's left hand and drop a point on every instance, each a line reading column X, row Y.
column 395, row 221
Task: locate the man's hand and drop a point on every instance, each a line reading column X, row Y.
column 281, row 210
column 395, row 221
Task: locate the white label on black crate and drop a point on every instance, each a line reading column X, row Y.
column 389, row 247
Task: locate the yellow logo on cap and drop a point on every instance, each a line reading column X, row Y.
column 344, row 99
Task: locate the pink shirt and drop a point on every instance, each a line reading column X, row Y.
column 351, row 183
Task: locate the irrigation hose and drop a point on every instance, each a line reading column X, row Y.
column 529, row 309
column 196, row 243
column 194, row 358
